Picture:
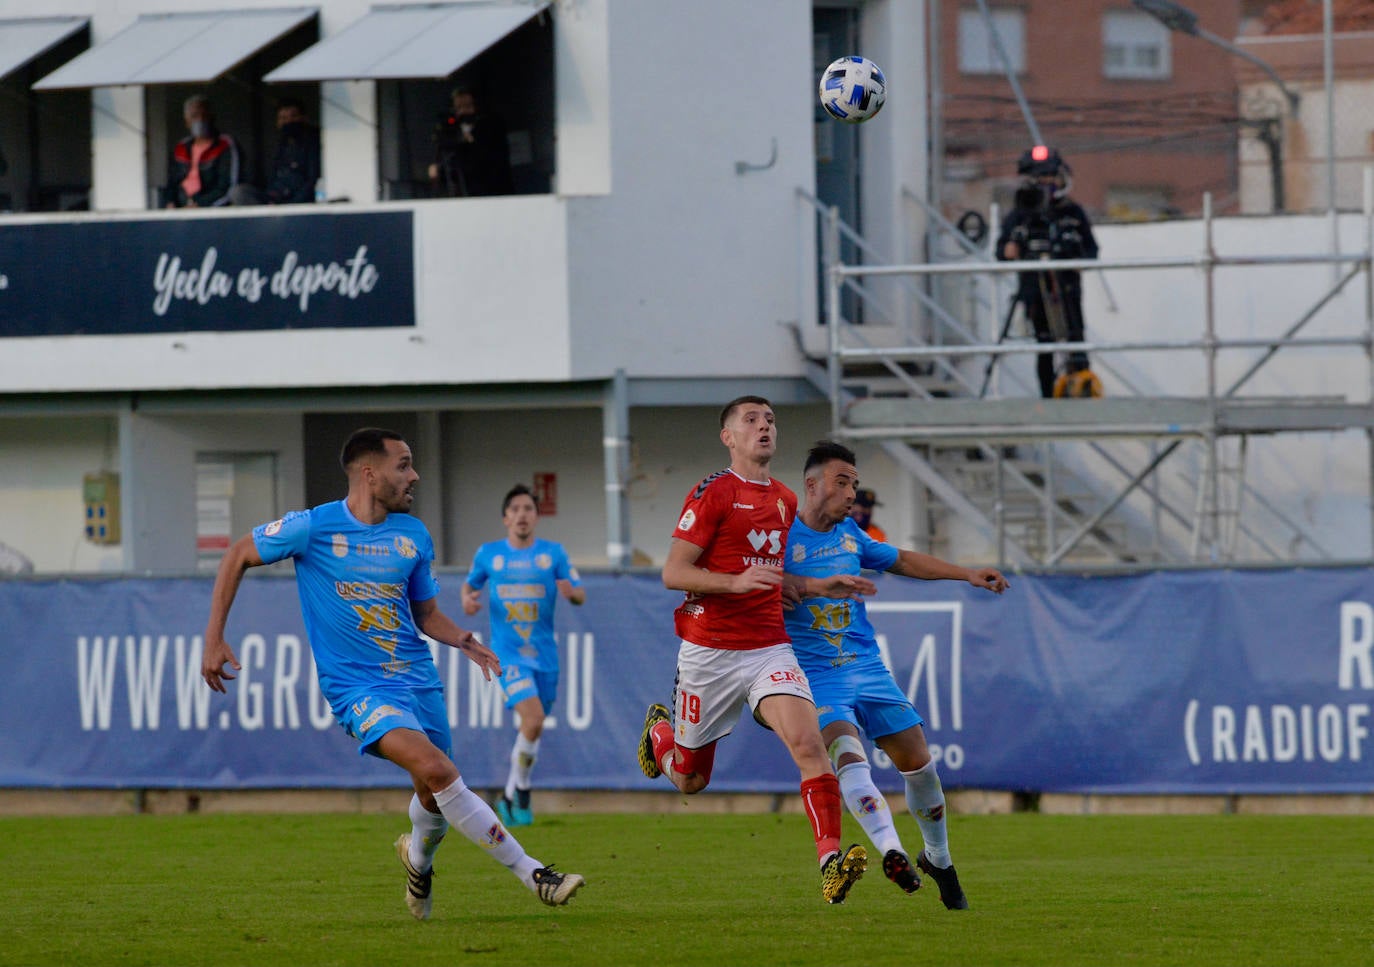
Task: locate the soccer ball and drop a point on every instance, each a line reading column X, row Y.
column 853, row 89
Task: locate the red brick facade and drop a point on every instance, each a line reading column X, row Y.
column 1168, row 139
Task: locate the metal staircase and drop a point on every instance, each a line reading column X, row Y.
column 1048, row 483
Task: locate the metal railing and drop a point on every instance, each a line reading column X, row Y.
column 848, row 346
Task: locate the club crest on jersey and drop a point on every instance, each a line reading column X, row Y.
column 798, row 553
column 850, row 545
column 406, row 547
column 543, row 561
column 273, row 529
column 498, row 563
column 339, row 544
column 689, row 517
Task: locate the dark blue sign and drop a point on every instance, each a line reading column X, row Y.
column 302, row 271
column 1171, row 682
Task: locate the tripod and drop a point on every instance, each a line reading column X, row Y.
column 1006, row 328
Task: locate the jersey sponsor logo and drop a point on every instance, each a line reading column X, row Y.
column 520, row 591
column 406, row 547
column 273, row 529
column 372, row 550
column 773, row 539
column 527, row 611
column 689, row 517
column 543, row 561
column 793, row 675
column 739, row 506
column 356, row 590
column 748, row 561
column 835, row 616
column 692, row 610
column 386, row 617
column 339, row 545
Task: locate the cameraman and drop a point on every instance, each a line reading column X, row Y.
column 471, row 153
column 1046, row 224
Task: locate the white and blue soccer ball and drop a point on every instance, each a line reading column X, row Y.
column 853, row 89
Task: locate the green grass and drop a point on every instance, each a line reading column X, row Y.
column 683, row 889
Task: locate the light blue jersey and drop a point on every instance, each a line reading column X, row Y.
column 356, row 582
column 522, row 598
column 831, row 632
column 833, row 638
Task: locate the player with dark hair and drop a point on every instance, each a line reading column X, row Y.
column 527, row 574
column 854, row 690
column 365, row 575
column 726, row 555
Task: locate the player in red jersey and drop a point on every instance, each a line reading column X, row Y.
column 727, row 555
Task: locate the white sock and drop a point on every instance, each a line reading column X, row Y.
column 470, row 815
column 925, row 797
column 867, row 805
column 522, row 759
column 427, row 831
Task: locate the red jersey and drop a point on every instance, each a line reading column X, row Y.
column 737, row 523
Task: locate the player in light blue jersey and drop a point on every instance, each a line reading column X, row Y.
column 854, row 690
column 365, row 574
column 526, row 574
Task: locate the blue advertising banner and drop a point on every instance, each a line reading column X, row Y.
column 1168, row 682
column 281, row 271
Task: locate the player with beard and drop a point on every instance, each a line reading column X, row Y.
column 854, row 689
column 365, row 575
column 727, row 556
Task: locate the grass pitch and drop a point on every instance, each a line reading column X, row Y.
column 684, row 889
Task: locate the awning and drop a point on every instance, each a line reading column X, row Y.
column 177, row 48
column 407, row 42
column 23, row 40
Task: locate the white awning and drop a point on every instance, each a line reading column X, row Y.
column 410, row 41
column 177, row 48
column 23, row 40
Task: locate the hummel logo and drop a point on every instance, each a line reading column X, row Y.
column 772, row 538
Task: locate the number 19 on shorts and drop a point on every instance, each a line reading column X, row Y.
column 689, row 707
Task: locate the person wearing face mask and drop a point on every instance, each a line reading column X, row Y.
column 295, row 164
column 471, row 153
column 205, row 164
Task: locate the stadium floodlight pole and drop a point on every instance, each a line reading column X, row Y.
column 1181, row 19
column 1011, row 74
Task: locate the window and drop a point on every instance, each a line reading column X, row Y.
column 978, row 53
column 1134, row 46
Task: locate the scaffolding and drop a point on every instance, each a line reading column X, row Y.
column 931, row 404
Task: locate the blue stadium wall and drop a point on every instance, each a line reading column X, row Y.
column 1203, row 681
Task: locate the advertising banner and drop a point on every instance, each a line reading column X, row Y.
column 310, row 270
column 1167, row 682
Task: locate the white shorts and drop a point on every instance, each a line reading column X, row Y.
column 714, row 683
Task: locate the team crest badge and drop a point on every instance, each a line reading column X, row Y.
column 406, row 547
column 498, row 563
column 688, row 519
column 850, row 546
column 339, row 544
column 798, row 553
column 273, row 529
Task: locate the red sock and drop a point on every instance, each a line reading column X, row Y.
column 821, row 800
column 661, row 735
